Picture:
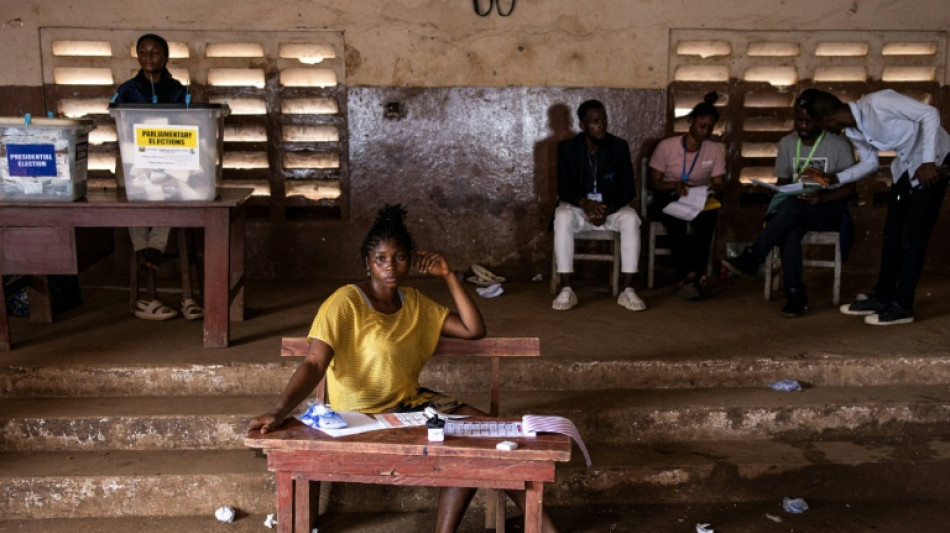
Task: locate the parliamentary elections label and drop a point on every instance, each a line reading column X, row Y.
column 31, row 160
column 166, row 147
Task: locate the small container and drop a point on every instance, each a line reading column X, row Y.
column 45, row 159
column 436, row 427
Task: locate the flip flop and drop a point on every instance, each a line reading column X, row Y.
column 154, row 310
column 191, row 310
column 485, row 275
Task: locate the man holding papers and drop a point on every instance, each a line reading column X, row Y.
column 889, row 121
column 800, row 206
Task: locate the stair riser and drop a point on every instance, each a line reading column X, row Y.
column 270, row 378
column 146, row 495
column 255, row 493
column 145, row 433
column 608, row 427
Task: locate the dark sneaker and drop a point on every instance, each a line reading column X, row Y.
column 747, row 264
column 869, row 306
column 690, row 290
column 890, row 316
column 796, row 305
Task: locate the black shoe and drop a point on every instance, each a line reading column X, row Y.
column 796, row 305
column 869, row 306
column 892, row 315
column 690, row 289
column 747, row 264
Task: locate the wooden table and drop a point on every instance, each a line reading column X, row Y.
column 38, row 238
column 300, row 455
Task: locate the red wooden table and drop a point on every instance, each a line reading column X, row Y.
column 37, row 238
column 299, row 455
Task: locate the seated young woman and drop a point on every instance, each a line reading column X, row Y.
column 371, row 340
column 678, row 167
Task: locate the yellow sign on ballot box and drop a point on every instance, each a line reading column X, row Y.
column 166, row 147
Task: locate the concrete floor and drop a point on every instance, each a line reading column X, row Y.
column 734, row 323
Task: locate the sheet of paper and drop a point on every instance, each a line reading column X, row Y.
column 687, row 207
column 791, row 188
column 401, row 420
column 356, row 423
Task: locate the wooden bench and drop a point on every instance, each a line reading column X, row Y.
column 495, row 348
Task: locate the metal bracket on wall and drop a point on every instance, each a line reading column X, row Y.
column 497, row 5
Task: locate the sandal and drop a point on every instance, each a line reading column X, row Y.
column 692, row 288
column 191, row 310
column 154, row 310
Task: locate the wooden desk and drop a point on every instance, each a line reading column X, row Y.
column 299, row 455
column 44, row 244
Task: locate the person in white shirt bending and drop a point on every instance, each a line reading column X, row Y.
column 889, row 121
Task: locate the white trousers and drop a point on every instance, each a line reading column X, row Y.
column 143, row 238
column 570, row 219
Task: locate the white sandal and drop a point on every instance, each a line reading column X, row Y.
column 154, row 310
column 191, row 310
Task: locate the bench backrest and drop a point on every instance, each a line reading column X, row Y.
column 492, row 347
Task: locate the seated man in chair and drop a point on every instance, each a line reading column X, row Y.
column 595, row 187
column 793, row 214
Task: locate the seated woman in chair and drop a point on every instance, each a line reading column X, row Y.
column 372, row 339
column 154, row 85
column 684, row 165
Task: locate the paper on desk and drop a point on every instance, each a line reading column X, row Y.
column 355, row 423
column 687, row 207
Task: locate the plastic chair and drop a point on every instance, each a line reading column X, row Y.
column 773, row 263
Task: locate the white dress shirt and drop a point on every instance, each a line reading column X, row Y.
column 888, row 120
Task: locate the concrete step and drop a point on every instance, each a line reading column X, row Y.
column 135, row 423
column 38, row 485
column 822, row 517
column 603, row 417
column 620, row 417
column 269, row 375
column 181, row 483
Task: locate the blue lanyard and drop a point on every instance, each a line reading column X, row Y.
column 686, row 175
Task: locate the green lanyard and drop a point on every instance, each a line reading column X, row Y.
column 798, row 155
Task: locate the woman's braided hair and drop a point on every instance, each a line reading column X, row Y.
column 390, row 224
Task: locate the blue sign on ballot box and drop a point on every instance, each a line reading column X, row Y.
column 31, row 160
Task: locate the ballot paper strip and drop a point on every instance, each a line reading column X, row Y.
column 556, row 424
column 458, row 428
column 687, row 207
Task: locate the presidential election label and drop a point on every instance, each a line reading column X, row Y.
column 32, row 160
column 166, row 147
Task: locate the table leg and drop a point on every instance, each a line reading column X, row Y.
column 533, row 506
column 41, row 305
column 285, row 502
column 303, row 498
column 237, row 264
column 217, row 276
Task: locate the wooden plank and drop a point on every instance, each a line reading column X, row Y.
column 397, row 469
column 487, row 347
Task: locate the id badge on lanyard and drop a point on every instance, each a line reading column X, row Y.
column 595, row 197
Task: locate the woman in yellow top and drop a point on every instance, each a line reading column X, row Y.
column 371, row 340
